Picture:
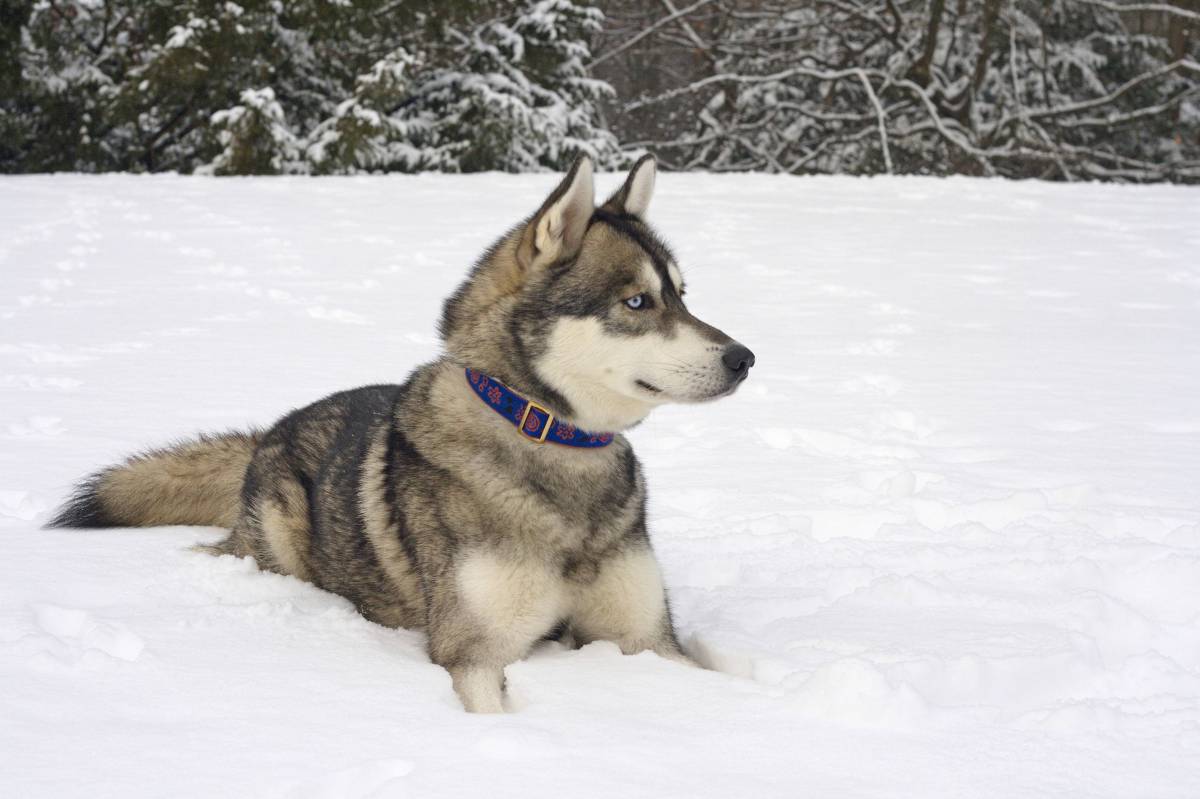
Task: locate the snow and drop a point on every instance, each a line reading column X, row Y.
column 945, row 541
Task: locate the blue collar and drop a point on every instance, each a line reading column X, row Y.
column 531, row 420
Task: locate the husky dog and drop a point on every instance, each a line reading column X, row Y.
column 491, row 500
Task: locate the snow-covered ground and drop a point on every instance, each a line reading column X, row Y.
column 945, row 541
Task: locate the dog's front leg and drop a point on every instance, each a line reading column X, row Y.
column 494, row 611
column 480, row 688
column 627, row 604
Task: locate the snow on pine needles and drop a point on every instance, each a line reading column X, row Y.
column 944, row 542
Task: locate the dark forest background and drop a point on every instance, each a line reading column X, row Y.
column 1057, row 89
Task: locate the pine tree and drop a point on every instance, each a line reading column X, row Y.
column 509, row 93
column 517, row 96
column 254, row 137
column 51, row 84
column 374, row 85
column 365, row 134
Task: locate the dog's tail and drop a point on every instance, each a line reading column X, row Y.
column 194, row 482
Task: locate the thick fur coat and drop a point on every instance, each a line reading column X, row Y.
column 429, row 511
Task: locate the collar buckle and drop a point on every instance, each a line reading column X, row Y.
column 532, row 432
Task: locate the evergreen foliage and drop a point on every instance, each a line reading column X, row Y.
column 323, row 86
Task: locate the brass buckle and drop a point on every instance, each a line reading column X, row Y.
column 529, row 406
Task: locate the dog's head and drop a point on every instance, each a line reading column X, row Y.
column 582, row 308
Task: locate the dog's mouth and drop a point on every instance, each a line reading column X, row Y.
column 728, row 391
column 655, row 391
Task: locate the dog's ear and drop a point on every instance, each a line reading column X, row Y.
column 634, row 197
column 556, row 231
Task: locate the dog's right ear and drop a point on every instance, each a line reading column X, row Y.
column 556, row 231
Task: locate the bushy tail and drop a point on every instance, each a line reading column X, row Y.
column 194, row 482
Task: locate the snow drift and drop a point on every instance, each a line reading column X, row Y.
column 945, row 542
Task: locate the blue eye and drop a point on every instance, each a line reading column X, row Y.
column 636, row 302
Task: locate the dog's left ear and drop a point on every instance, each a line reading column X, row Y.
column 634, row 197
column 556, row 231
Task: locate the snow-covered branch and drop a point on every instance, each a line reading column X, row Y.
column 633, row 40
column 1157, row 8
column 1005, row 87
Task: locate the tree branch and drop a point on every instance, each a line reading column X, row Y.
column 883, row 138
column 630, row 42
column 1161, row 8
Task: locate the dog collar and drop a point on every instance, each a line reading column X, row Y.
column 531, row 420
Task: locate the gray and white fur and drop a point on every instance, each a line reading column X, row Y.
column 429, row 511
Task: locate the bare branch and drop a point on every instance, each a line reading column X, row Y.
column 630, row 42
column 1161, row 8
column 883, row 138
column 1072, row 108
column 687, row 27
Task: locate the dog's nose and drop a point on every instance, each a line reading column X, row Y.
column 738, row 359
